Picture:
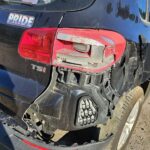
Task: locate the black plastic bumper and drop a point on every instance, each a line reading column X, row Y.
column 9, row 139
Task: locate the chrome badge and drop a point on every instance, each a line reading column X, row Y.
column 20, row 20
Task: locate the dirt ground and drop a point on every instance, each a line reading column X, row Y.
column 140, row 139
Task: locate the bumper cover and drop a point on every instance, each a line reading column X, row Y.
column 9, row 139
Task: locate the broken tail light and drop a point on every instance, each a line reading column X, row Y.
column 78, row 49
column 86, row 49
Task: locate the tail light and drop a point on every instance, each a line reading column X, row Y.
column 37, row 43
column 87, row 49
column 79, row 49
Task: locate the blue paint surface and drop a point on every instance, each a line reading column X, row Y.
column 20, row 85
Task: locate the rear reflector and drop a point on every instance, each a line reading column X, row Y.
column 85, row 50
column 32, row 145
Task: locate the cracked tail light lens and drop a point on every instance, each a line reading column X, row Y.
column 37, row 43
column 86, row 49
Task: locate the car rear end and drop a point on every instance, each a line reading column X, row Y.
column 55, row 71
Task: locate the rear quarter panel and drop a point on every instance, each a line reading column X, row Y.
column 116, row 15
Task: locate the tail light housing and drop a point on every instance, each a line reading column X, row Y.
column 85, row 50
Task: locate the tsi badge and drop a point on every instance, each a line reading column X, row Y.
column 20, row 20
column 38, row 68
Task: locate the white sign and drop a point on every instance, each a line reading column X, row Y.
column 20, row 20
column 30, row 1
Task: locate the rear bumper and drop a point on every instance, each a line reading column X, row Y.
column 60, row 105
column 9, row 139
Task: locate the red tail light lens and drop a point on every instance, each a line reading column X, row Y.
column 36, row 44
column 86, row 49
column 79, row 49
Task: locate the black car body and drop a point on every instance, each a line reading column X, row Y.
column 46, row 93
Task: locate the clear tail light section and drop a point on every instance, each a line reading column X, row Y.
column 85, row 50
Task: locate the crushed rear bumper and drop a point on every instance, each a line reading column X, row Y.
column 9, row 139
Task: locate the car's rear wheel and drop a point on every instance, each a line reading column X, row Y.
column 124, row 119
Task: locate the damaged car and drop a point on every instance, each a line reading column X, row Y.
column 73, row 73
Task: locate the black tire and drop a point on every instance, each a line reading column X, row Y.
column 116, row 124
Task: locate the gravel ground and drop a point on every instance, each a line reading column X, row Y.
column 140, row 139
